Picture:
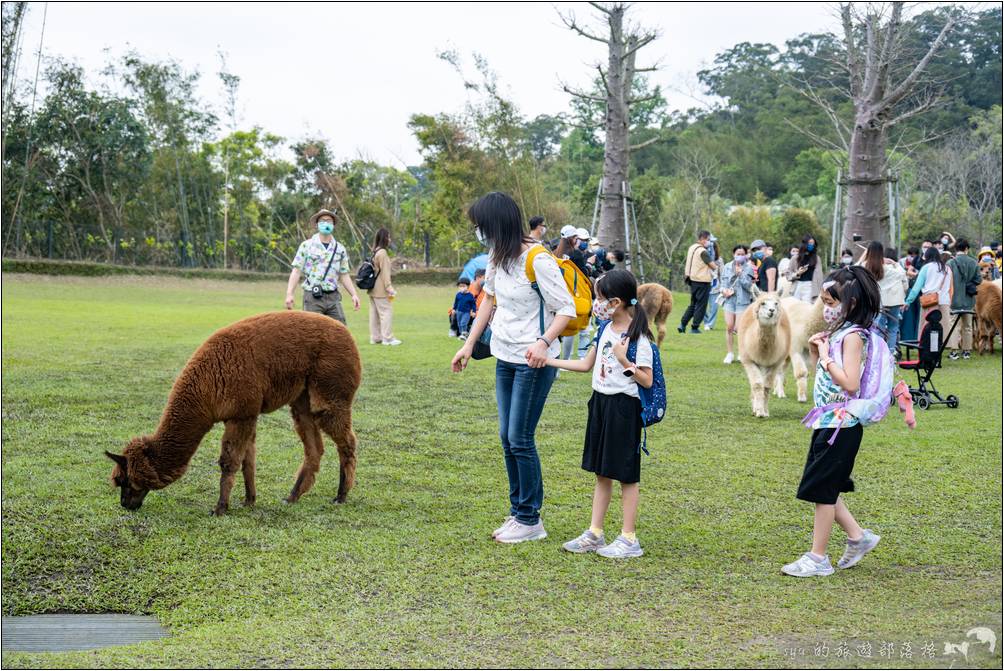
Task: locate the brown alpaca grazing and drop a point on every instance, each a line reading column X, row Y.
column 658, row 303
column 988, row 316
column 255, row 366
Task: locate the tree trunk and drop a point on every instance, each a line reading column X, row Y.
column 615, row 151
column 866, row 183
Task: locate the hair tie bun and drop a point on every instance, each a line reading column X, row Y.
column 634, row 301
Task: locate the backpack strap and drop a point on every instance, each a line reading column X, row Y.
column 531, row 275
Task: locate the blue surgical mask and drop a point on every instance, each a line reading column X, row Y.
column 757, row 255
column 325, row 227
column 583, row 245
column 986, row 259
column 811, row 246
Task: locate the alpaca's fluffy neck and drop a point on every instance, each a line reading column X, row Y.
column 181, row 429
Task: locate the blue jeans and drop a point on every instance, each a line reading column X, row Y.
column 463, row 322
column 520, row 392
column 712, row 316
column 889, row 320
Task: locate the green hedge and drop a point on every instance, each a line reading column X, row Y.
column 88, row 269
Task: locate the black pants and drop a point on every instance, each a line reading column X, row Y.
column 699, row 292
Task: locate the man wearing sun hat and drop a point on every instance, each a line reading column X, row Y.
column 324, row 264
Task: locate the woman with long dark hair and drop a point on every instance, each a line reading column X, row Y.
column 934, row 279
column 892, row 283
column 808, row 276
column 524, row 335
column 382, row 293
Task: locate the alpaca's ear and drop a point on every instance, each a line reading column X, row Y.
column 118, row 459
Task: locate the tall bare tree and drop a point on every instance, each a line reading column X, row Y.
column 623, row 43
column 886, row 87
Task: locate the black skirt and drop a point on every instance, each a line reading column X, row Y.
column 613, row 437
column 828, row 467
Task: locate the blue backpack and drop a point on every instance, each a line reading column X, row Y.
column 653, row 399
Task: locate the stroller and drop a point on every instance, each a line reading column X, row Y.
column 929, row 347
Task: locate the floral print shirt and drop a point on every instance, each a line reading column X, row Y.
column 312, row 258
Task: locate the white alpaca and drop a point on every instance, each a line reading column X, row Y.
column 764, row 339
column 805, row 320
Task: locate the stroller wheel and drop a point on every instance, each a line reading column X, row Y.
column 923, row 402
column 953, row 401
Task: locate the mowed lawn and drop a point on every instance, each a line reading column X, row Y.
column 405, row 574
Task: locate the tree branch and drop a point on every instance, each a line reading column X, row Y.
column 815, row 137
column 885, row 58
column 603, row 78
column 653, row 96
column 584, row 96
column 642, row 41
column 642, row 145
column 853, row 64
column 903, row 89
column 600, row 7
column 570, row 23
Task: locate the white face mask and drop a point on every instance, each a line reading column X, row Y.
column 480, row 236
column 847, row 259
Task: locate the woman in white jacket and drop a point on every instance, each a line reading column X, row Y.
column 934, row 277
column 893, row 284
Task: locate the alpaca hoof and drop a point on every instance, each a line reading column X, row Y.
column 289, row 500
column 248, row 503
column 340, row 500
column 218, row 511
column 801, row 398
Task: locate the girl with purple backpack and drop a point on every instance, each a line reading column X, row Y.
column 852, row 388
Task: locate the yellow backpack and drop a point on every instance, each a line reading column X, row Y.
column 578, row 285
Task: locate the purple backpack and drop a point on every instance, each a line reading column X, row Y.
column 872, row 400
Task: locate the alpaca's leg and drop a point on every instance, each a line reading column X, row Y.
column 662, row 332
column 779, row 380
column 801, row 373
column 250, row 493
column 238, row 434
column 755, row 376
column 336, row 421
column 313, row 447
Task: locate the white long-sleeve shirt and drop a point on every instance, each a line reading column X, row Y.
column 516, row 325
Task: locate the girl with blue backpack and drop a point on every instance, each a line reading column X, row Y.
column 852, row 389
column 628, row 395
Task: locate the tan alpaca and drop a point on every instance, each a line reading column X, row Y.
column 764, row 343
column 256, row 366
column 805, row 320
column 658, row 303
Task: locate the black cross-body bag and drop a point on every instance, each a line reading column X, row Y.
column 316, row 290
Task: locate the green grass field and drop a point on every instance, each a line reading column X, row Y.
column 405, row 574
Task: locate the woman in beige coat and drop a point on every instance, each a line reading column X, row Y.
column 382, row 293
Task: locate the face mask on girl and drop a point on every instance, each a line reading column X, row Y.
column 740, row 258
column 833, row 315
column 480, row 236
column 811, row 246
column 986, row 259
column 602, row 309
column 846, row 260
column 583, row 245
column 945, row 241
column 325, row 227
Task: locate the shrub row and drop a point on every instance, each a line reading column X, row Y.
column 90, row 269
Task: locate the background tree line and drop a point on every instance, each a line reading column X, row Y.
column 130, row 166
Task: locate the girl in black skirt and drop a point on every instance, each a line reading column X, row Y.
column 613, row 432
column 851, row 301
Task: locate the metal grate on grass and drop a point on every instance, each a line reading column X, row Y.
column 59, row 633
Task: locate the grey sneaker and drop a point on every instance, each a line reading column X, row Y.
column 517, row 532
column 855, row 551
column 620, row 549
column 586, row 542
column 806, row 567
column 505, row 525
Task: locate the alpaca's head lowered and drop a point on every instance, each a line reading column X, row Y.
column 768, row 309
column 130, row 473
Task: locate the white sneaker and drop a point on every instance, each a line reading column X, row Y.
column 395, row 341
column 505, row 525
column 807, row 567
column 707, row 328
column 453, row 334
column 855, row 551
column 519, row 532
column 621, row 548
column 374, row 342
column 585, row 542
column 729, row 358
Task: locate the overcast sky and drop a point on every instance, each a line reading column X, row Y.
column 354, row 72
